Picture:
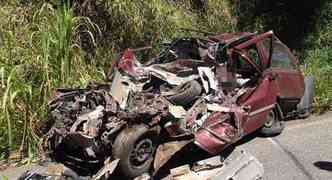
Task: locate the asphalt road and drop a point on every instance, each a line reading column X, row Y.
column 302, row 152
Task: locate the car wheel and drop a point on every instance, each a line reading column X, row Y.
column 135, row 147
column 186, row 93
column 304, row 106
column 273, row 124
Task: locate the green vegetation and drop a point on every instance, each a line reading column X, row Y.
column 38, row 54
column 319, row 57
column 49, row 44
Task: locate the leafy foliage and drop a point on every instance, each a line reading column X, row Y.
column 319, row 57
column 319, row 64
column 35, row 59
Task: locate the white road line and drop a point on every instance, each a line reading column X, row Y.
column 297, row 163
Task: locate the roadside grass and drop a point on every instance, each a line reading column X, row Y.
column 36, row 59
column 318, row 59
column 319, row 64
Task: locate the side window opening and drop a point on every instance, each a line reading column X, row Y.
column 253, row 54
column 281, row 57
column 243, row 68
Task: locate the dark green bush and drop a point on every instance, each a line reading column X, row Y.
column 318, row 57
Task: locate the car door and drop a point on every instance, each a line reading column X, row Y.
column 260, row 98
column 289, row 80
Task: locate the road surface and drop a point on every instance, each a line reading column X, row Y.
column 302, row 152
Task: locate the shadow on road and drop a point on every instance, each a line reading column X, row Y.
column 324, row 165
column 247, row 138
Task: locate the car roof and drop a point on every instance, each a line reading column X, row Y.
column 226, row 37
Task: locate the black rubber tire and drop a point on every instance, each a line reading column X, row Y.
column 304, row 107
column 186, row 93
column 124, row 145
column 273, row 125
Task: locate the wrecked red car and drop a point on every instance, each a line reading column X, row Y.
column 214, row 90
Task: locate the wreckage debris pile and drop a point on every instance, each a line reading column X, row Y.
column 198, row 88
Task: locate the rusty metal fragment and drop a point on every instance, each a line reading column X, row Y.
column 240, row 165
column 106, row 170
column 166, row 151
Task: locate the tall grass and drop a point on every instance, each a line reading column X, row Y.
column 35, row 59
column 7, row 103
column 217, row 17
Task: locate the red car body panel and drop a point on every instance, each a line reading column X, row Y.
column 217, row 133
column 260, row 102
column 250, row 110
column 289, row 83
column 273, row 84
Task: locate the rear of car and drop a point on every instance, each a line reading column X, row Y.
column 289, row 78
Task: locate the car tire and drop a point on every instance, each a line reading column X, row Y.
column 304, row 107
column 128, row 147
column 185, row 93
column 273, row 125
